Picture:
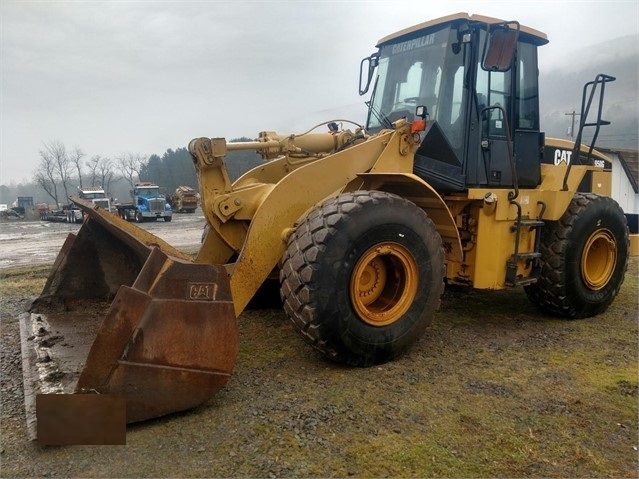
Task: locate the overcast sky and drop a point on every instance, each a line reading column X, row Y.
column 141, row 76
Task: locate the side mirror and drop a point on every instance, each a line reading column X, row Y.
column 370, row 63
column 500, row 47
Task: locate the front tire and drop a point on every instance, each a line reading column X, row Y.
column 362, row 277
column 584, row 259
column 138, row 217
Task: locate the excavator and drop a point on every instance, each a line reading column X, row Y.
column 449, row 182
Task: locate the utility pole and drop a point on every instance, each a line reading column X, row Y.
column 572, row 127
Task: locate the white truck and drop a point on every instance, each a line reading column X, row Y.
column 94, row 194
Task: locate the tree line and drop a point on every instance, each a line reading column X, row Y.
column 60, row 170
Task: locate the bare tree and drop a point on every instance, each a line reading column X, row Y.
column 92, row 164
column 76, row 158
column 102, row 171
column 130, row 165
column 94, row 167
column 45, row 177
column 55, row 154
column 105, row 173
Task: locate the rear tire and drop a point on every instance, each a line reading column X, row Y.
column 584, row 259
column 362, row 277
column 167, row 219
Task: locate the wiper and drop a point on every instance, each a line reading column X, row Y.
column 383, row 119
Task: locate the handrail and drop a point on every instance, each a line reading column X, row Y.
column 600, row 79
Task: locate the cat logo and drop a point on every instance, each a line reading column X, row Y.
column 201, row 291
column 562, row 156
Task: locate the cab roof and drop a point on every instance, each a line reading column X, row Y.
column 539, row 38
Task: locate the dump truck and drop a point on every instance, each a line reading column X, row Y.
column 184, row 200
column 147, row 204
column 450, row 181
column 94, row 194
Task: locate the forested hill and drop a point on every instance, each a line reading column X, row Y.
column 561, row 92
column 175, row 167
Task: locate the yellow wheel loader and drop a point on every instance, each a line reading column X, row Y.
column 450, row 181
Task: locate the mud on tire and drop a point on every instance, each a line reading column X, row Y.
column 362, row 276
column 584, row 258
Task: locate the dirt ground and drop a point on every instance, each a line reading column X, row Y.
column 494, row 389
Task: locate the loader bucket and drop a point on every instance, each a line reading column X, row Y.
column 124, row 313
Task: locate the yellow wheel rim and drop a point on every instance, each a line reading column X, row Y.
column 384, row 284
column 598, row 259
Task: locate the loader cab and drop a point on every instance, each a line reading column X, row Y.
column 478, row 79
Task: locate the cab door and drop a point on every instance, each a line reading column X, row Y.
column 510, row 116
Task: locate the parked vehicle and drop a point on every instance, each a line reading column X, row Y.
column 184, row 200
column 147, row 204
column 94, row 194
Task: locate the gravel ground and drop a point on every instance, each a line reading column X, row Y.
column 493, row 389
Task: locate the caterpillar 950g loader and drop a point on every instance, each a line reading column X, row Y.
column 450, row 181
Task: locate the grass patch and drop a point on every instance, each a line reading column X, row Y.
column 18, row 285
column 23, row 280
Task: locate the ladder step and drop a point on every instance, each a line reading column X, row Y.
column 512, row 279
column 524, row 281
column 531, row 255
column 601, row 122
column 511, row 275
column 532, row 223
